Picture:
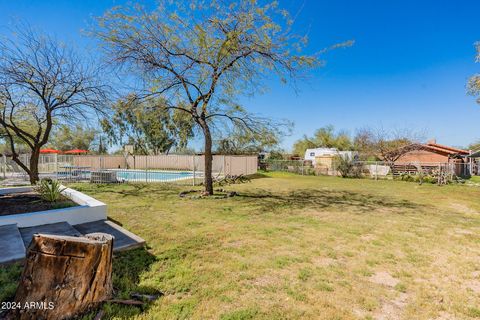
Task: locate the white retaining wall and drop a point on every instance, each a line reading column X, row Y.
column 89, row 210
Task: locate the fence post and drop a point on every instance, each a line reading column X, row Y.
column 193, row 161
column 224, row 164
column 376, row 170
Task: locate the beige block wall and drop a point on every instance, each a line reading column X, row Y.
column 230, row 165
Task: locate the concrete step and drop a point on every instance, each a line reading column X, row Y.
column 124, row 239
column 14, row 240
column 11, row 244
column 59, row 228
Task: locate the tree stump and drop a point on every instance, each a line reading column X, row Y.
column 64, row 276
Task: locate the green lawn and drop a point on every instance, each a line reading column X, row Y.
column 475, row 179
column 294, row 247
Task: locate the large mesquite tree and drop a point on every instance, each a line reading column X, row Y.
column 201, row 55
column 42, row 83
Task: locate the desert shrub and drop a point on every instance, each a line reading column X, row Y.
column 309, row 171
column 50, row 190
column 405, row 176
column 433, row 177
column 275, row 155
column 347, row 167
column 429, row 179
column 357, row 170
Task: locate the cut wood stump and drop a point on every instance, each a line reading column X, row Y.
column 64, row 276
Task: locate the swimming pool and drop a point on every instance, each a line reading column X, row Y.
column 154, row 175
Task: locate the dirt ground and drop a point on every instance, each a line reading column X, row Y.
column 25, row 202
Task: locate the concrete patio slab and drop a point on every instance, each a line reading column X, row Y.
column 11, row 244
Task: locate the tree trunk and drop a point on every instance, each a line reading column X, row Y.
column 33, row 174
column 64, row 276
column 208, row 158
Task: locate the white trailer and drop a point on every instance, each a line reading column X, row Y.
column 310, row 154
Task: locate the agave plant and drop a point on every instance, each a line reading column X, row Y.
column 50, row 190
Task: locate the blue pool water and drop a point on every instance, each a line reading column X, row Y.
column 153, row 176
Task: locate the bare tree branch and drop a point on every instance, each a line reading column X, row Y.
column 42, row 84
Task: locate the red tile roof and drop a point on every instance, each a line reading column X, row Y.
column 446, row 149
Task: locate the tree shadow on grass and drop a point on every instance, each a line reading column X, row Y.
column 169, row 271
column 144, row 189
column 128, row 268
column 258, row 175
column 135, row 189
column 324, row 199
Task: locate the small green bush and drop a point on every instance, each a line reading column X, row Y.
column 50, row 190
column 308, row 171
column 431, row 177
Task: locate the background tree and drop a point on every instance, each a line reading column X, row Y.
column 276, row 155
column 3, row 140
column 42, row 82
column 201, row 55
column 473, row 86
column 73, row 137
column 301, row 145
column 325, row 137
column 388, row 146
column 101, row 145
column 328, row 138
column 474, row 146
column 249, row 142
column 5, row 145
column 149, row 125
column 3, row 137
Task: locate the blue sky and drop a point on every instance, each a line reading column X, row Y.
column 408, row 67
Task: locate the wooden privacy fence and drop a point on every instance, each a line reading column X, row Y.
column 222, row 164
